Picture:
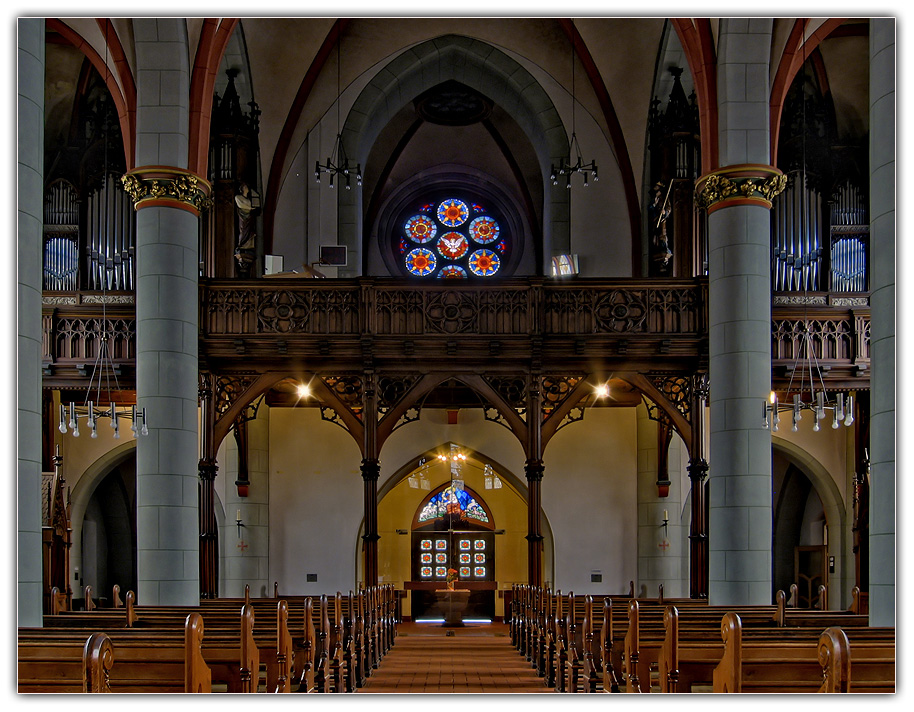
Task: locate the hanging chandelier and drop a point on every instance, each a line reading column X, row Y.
column 818, row 402
column 566, row 168
column 338, row 162
column 456, row 459
column 104, row 374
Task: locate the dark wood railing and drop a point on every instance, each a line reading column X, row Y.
column 644, row 325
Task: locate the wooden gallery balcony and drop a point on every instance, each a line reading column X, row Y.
column 515, row 326
column 392, row 325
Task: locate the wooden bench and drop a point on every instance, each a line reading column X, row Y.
column 779, row 666
column 68, row 667
column 121, row 662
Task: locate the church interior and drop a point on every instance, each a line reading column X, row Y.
column 572, row 317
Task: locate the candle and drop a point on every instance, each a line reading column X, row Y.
column 665, row 516
column 238, row 516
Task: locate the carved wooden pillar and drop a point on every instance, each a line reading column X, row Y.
column 243, row 481
column 371, row 470
column 533, row 469
column 207, row 468
column 698, row 472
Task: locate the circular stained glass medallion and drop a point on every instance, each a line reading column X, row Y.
column 453, row 245
column 484, row 263
column 421, row 228
column 453, row 212
column 484, row 230
column 452, row 272
column 421, row 262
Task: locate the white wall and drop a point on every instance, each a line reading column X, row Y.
column 315, row 502
column 590, row 498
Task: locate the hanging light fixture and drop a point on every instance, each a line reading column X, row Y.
column 492, row 480
column 338, row 162
column 103, row 372
column 456, row 459
column 566, row 168
column 805, row 362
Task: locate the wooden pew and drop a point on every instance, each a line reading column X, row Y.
column 129, row 662
column 68, row 667
column 763, row 666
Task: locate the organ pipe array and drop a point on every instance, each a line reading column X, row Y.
column 61, row 227
column 106, row 238
column 110, row 237
column 797, row 237
column 802, row 259
column 849, row 239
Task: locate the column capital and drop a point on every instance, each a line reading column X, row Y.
column 371, row 469
column 166, row 186
column 743, row 184
column 534, row 469
column 697, row 469
column 207, row 469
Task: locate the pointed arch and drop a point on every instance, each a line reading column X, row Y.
column 214, row 38
column 697, row 41
column 796, row 52
column 124, row 98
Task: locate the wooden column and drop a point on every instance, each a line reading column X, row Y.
column 533, row 469
column 207, row 469
column 371, row 470
column 698, row 472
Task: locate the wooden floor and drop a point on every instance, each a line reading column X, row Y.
column 477, row 658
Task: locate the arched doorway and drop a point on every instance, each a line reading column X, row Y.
column 108, row 536
column 453, row 536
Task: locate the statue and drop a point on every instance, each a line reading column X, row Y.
column 659, row 212
column 247, row 206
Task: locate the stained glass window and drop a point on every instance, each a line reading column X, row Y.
column 421, row 262
column 437, row 506
column 452, row 238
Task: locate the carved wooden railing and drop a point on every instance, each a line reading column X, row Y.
column 837, row 327
column 400, row 308
column 639, row 324
column 73, row 324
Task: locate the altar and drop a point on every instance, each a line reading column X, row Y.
column 453, row 602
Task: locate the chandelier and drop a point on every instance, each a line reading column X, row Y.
column 818, row 402
column 104, row 373
column 456, row 459
column 566, row 168
column 338, row 162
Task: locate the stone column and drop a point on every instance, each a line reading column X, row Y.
column 30, row 139
column 168, row 200
column 882, row 337
column 737, row 198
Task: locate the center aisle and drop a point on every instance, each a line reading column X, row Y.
column 478, row 658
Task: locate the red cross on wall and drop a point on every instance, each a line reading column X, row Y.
column 241, row 545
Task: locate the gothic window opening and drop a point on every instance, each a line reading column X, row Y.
column 452, row 237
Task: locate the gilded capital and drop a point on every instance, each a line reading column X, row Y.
column 164, row 186
column 747, row 184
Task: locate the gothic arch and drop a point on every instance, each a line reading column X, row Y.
column 483, row 68
column 835, row 515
